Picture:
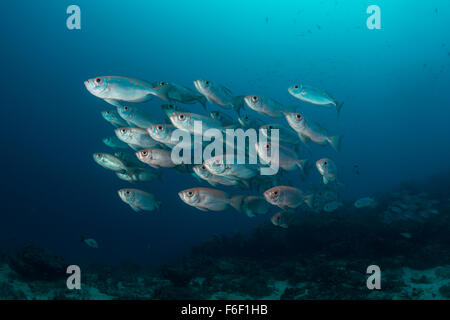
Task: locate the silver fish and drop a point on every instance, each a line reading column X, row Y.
column 314, row 96
column 114, row 142
column 217, row 165
column 202, row 172
column 136, row 138
column 113, row 117
column 218, row 94
column 162, row 133
column 328, row 169
column 308, row 129
column 267, row 106
column 366, row 202
column 116, row 90
column 287, row 159
column 136, row 116
column 170, row 91
column 224, row 119
column 139, row 200
column 206, row 199
column 288, row 197
column 156, row 158
column 286, row 134
column 110, row 162
column 251, row 205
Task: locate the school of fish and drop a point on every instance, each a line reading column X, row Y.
column 142, row 144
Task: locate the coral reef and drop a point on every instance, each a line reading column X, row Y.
column 321, row 256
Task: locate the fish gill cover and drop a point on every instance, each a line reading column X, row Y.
column 117, row 117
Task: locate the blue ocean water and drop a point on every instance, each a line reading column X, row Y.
column 394, row 82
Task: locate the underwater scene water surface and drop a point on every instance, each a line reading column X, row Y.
column 359, row 91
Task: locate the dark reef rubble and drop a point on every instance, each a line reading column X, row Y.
column 321, row 256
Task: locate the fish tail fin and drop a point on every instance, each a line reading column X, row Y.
column 335, row 142
column 236, row 202
column 202, row 100
column 238, row 104
column 302, row 164
column 339, row 107
column 309, row 199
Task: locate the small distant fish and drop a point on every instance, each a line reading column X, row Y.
column 90, row 242
column 136, row 138
column 314, row 96
column 206, row 199
column 247, row 121
column 365, row 202
column 115, row 89
column 156, row 158
column 251, row 205
column 140, row 175
column 287, row 197
column 139, row 200
column 328, row 169
column 136, row 116
column 406, row 235
column 308, row 129
column 332, row 206
column 266, row 106
column 223, row 118
column 113, row 117
column 281, row 219
column 170, row 91
column 219, row 94
column 114, row 142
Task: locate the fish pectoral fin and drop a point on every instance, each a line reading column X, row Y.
column 325, row 180
column 136, row 209
column 202, row 209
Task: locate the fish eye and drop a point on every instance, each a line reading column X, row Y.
column 190, row 193
column 270, row 127
column 107, row 112
column 162, row 84
column 246, row 117
column 98, row 80
column 144, row 153
column 126, row 108
column 207, row 83
column 267, row 146
column 325, row 163
column 128, row 192
column 296, row 86
column 160, row 128
column 181, row 117
column 275, row 193
column 123, row 131
column 298, row 116
column 171, row 106
column 255, row 99
column 203, row 167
